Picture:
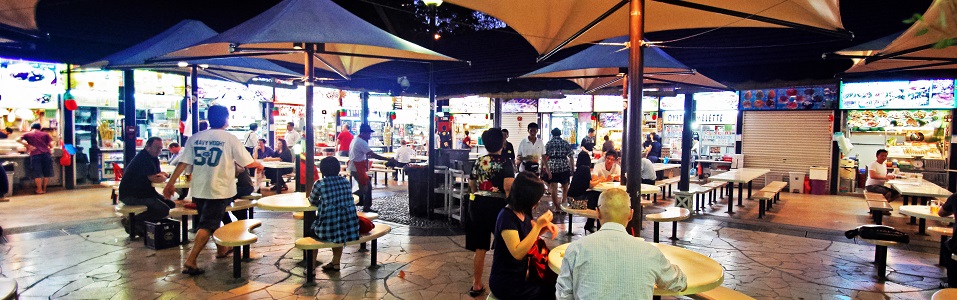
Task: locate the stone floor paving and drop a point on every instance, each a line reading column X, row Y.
column 103, row 264
column 58, row 251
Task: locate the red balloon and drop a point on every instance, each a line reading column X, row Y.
column 70, row 104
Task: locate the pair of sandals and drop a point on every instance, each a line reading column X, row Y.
column 476, row 293
column 330, row 268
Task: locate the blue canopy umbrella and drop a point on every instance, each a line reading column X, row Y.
column 185, row 33
column 603, row 64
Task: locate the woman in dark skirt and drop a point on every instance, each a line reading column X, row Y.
column 489, row 175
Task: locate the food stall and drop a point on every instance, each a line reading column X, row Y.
column 672, row 115
column 516, row 114
column 29, row 93
column 380, row 119
column 716, row 116
column 608, row 111
column 288, row 106
column 410, row 122
column 470, row 114
column 568, row 114
column 325, row 115
column 245, row 104
column 910, row 118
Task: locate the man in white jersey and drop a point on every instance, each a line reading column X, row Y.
column 211, row 153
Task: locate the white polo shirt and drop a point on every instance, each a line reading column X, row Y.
column 212, row 154
column 527, row 148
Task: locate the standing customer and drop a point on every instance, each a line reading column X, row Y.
column 558, row 169
column 359, row 153
column 136, row 187
column 344, row 140
column 489, row 173
column 467, row 141
column 877, row 176
column 336, row 219
column 251, row 138
column 38, row 144
column 611, row 263
column 530, row 150
column 292, row 136
column 515, row 234
column 212, row 154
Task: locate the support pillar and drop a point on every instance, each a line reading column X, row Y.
column 69, row 138
column 686, row 142
column 636, row 28
column 129, row 117
column 310, row 139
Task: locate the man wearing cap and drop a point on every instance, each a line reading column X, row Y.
column 359, row 154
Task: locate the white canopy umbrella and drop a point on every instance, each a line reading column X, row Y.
column 917, row 48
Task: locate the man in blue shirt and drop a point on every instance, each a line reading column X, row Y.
column 136, row 187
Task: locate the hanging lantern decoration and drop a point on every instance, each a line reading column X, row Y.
column 594, row 116
column 275, row 111
column 519, row 118
column 68, row 102
column 486, row 116
column 342, row 113
column 654, row 116
column 392, row 115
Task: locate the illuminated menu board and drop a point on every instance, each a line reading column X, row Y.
column 900, row 94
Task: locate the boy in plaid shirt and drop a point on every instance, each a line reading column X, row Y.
column 336, row 219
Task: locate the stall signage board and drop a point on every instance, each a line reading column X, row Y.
column 520, row 106
column 610, row 120
column 673, row 103
column 470, row 105
column 702, row 117
column 899, row 94
column 273, row 82
column 25, row 84
column 715, row 101
column 380, row 103
column 99, row 89
column 791, row 98
column 571, row 103
column 351, row 100
column 608, row 103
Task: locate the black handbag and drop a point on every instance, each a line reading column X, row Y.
column 878, row 232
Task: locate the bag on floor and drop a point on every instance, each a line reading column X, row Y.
column 878, row 232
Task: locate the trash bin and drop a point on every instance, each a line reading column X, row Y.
column 796, row 182
column 9, row 167
column 819, row 187
column 419, row 190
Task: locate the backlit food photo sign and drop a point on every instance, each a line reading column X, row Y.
column 900, row 94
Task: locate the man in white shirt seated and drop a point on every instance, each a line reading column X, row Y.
column 612, row 264
column 877, row 176
column 403, row 156
column 608, row 170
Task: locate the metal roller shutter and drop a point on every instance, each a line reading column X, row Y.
column 786, row 141
column 517, row 130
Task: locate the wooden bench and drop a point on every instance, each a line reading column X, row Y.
column 764, row 202
column 665, row 183
column 130, row 211
column 716, row 186
column 8, row 289
column 671, row 214
column 944, row 232
column 945, row 294
column 877, row 205
column 237, row 234
column 114, row 186
column 721, row 293
column 880, row 255
column 309, row 244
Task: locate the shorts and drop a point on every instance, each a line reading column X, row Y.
column 41, row 165
column 559, row 177
column 483, row 213
column 211, row 212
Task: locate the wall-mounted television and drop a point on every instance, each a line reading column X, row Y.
column 898, row 94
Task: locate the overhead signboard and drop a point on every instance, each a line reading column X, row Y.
column 571, row 103
column 520, row 106
column 702, row 117
column 716, row 101
column 470, row 105
column 26, row 84
column 900, row 94
column 791, row 98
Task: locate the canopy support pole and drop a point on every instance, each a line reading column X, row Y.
column 636, row 22
column 430, row 148
column 684, row 184
column 310, row 143
column 129, row 117
column 194, row 97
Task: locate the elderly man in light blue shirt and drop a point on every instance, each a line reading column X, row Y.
column 612, row 264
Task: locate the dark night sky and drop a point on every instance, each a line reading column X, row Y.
column 85, row 30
